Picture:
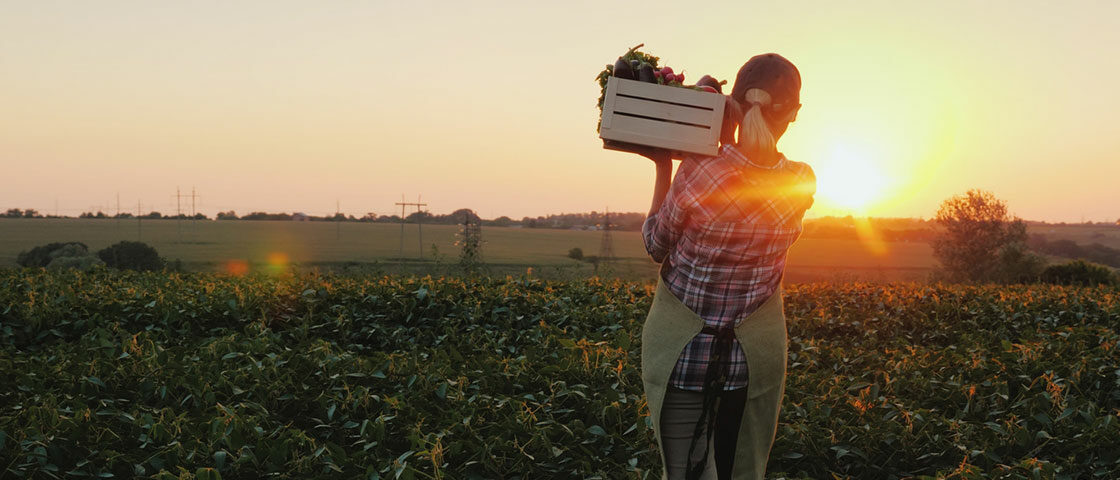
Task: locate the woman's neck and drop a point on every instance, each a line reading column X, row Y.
column 761, row 158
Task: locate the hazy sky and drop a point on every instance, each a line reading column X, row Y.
column 292, row 106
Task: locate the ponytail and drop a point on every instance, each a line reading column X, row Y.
column 754, row 132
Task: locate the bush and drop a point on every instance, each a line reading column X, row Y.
column 41, row 256
column 131, row 256
column 575, row 253
column 84, row 262
column 1079, row 272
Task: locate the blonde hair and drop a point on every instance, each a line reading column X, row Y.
column 754, row 132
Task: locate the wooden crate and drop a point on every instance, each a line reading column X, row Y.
column 653, row 115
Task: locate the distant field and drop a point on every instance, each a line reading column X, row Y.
column 210, row 245
column 1107, row 235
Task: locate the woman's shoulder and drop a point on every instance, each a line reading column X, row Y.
column 801, row 169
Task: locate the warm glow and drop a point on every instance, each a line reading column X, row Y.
column 850, row 179
column 285, row 107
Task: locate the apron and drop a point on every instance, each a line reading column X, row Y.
column 669, row 327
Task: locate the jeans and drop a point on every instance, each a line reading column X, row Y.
column 679, row 416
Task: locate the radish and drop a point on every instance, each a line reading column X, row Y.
column 670, row 78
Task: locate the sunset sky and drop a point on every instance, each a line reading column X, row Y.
column 292, row 106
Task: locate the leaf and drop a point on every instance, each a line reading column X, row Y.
column 596, row 430
column 207, row 474
column 96, row 381
column 220, row 459
column 441, row 391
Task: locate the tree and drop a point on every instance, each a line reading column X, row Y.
column 502, row 221
column 575, row 253
column 128, row 255
column 982, row 242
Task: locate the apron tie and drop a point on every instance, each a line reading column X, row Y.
column 715, row 378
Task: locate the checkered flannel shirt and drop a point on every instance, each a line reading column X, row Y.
column 721, row 236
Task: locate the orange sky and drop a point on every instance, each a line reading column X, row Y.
column 292, row 106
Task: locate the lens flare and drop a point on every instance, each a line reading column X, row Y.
column 236, row 267
column 869, row 237
column 277, row 262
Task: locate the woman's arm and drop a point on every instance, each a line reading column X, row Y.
column 664, row 165
column 663, row 225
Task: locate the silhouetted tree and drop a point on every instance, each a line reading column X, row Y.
column 981, row 241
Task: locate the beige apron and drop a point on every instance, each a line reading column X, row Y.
column 762, row 334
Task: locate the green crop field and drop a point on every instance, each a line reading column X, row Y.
column 179, row 376
column 210, row 245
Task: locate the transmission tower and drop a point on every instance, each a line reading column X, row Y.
column 179, row 210
column 606, row 246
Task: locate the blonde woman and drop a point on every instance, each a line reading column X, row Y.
column 714, row 343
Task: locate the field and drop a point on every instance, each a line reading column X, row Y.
column 210, row 245
column 163, row 375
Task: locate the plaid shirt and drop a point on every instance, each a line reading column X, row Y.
column 721, row 236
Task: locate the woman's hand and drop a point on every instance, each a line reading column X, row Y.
column 660, row 156
column 732, row 115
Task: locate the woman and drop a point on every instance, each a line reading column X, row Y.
column 714, row 343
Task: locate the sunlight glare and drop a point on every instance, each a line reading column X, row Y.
column 850, row 179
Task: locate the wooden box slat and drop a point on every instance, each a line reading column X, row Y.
column 661, row 116
column 667, row 111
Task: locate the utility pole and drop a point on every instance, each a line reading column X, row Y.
column 118, row 214
column 338, row 221
column 193, row 213
column 179, row 213
column 419, row 221
column 139, row 236
column 606, row 247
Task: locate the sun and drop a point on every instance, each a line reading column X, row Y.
column 850, row 179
